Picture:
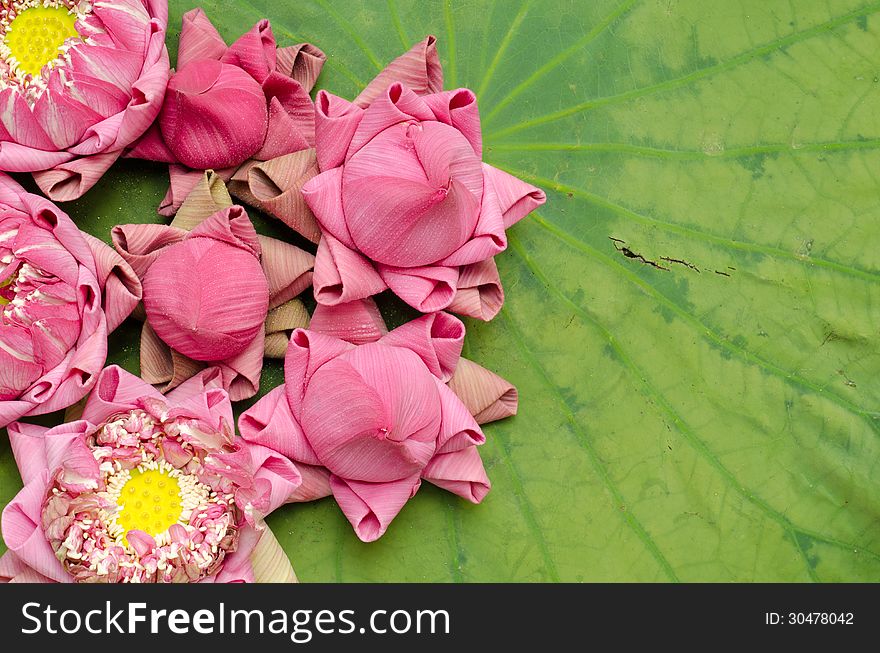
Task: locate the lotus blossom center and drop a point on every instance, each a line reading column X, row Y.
column 144, row 519
column 149, row 502
column 36, row 34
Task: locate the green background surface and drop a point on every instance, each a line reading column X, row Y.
column 699, row 398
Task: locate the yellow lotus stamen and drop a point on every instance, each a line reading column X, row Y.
column 150, row 502
column 4, row 284
column 36, row 35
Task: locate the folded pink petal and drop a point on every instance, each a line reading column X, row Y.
column 116, row 391
column 437, row 339
column 302, row 62
column 270, row 423
column 23, row 534
column 29, row 449
column 460, row 472
column 121, row 286
column 458, row 429
column 459, row 109
column 336, row 121
column 188, row 287
column 419, row 69
column 13, row 570
column 397, row 104
column 306, row 354
column 276, row 189
column 370, row 507
column 323, row 194
column 385, row 416
column 342, row 275
column 282, row 475
column 357, row 322
column 140, row 245
column 487, row 396
column 197, row 123
column 315, row 484
column 68, row 181
column 199, row 39
column 426, row 289
column 516, row 198
column 254, row 52
column 287, row 269
column 479, row 294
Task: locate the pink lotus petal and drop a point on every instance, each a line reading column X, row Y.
column 419, row 69
column 141, row 542
column 315, row 484
column 140, row 245
column 197, row 123
column 357, row 322
column 461, row 473
column 254, row 52
column 487, row 396
column 302, row 62
column 287, row 269
column 116, row 391
column 385, row 414
column 479, row 294
column 276, row 189
column 427, row 289
column 282, row 475
column 13, row 570
column 270, row 423
column 458, row 429
column 342, row 275
column 370, row 507
column 19, row 158
column 151, row 147
column 515, row 197
column 323, row 194
column 297, row 105
column 199, row 39
column 336, row 121
column 66, row 182
column 62, row 118
column 284, row 134
column 218, row 262
column 121, row 287
column 237, row 566
column 183, row 181
column 241, row 373
column 412, row 195
column 20, row 127
column 23, row 534
column 29, row 449
column 437, row 339
column 306, row 354
column 395, row 105
column 459, row 109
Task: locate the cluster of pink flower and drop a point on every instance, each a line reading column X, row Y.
column 147, row 484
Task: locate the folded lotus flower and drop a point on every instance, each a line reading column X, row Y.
column 145, row 488
column 212, row 294
column 81, row 82
column 368, row 422
column 231, row 107
column 404, row 200
column 61, row 293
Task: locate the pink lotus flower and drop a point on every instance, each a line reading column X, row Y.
column 61, row 293
column 207, row 296
column 404, row 200
column 367, row 422
column 144, row 488
column 230, row 106
column 81, row 81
